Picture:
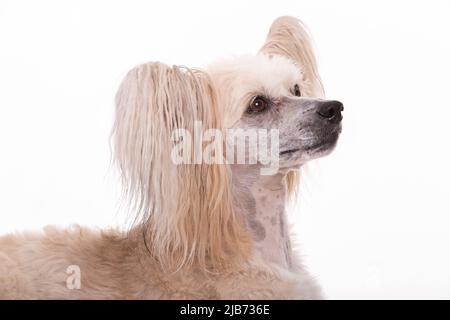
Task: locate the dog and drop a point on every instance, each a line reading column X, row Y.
column 206, row 229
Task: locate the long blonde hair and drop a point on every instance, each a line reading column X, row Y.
column 185, row 210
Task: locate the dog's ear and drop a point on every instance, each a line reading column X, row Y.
column 289, row 37
column 185, row 210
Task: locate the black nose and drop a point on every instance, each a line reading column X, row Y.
column 331, row 110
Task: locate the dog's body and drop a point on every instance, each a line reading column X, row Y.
column 202, row 231
column 116, row 267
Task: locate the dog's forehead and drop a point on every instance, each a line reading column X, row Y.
column 271, row 75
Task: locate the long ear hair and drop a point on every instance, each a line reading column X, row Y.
column 288, row 37
column 185, row 211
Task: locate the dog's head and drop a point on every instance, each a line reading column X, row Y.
column 271, row 93
column 187, row 208
column 279, row 88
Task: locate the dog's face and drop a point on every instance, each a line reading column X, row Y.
column 262, row 92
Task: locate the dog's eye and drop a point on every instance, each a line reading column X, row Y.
column 257, row 105
column 297, row 91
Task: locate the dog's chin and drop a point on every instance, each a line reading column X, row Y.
column 318, row 148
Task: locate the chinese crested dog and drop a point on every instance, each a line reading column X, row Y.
column 210, row 219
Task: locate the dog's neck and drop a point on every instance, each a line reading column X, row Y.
column 261, row 200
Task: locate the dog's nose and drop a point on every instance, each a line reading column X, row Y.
column 331, row 110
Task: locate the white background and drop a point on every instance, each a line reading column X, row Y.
column 374, row 216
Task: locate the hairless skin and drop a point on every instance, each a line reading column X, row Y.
column 261, row 200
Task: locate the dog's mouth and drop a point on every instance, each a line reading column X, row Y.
column 320, row 145
column 282, row 153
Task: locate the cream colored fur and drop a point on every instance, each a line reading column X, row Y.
column 188, row 240
column 34, row 266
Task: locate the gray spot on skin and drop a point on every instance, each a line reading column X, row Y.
column 258, row 229
column 263, row 200
column 281, row 217
column 273, row 221
column 249, row 202
column 252, row 208
column 287, row 252
column 244, row 198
